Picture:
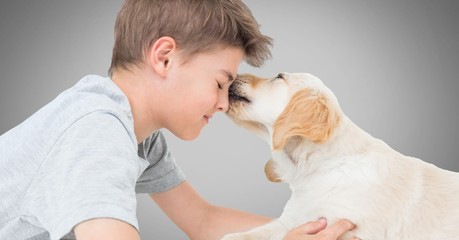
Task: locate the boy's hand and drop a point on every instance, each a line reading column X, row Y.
column 316, row 230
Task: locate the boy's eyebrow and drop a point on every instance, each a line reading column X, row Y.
column 228, row 74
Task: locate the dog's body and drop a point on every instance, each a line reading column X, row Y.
column 336, row 170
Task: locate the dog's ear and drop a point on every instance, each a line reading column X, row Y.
column 308, row 115
column 270, row 173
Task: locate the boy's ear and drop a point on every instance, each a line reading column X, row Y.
column 160, row 55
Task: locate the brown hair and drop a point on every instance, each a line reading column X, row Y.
column 196, row 26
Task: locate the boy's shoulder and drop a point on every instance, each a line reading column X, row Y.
column 92, row 94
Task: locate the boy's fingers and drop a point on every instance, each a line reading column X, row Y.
column 339, row 228
column 313, row 227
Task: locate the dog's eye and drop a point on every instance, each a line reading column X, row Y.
column 279, row 76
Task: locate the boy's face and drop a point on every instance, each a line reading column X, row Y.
column 199, row 89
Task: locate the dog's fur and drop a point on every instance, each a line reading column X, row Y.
column 336, row 170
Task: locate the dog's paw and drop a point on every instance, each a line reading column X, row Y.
column 238, row 236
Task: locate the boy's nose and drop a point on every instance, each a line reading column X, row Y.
column 223, row 103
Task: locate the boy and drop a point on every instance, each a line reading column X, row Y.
column 74, row 167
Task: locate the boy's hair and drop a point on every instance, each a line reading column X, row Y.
column 196, row 26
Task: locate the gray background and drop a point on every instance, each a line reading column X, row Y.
column 393, row 65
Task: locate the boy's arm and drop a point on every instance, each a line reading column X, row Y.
column 201, row 220
column 105, row 228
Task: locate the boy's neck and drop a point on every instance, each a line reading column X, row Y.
column 136, row 85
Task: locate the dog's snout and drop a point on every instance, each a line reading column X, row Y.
column 281, row 75
column 238, row 82
column 236, row 91
column 233, row 87
column 233, row 90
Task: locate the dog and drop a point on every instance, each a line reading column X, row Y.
column 337, row 170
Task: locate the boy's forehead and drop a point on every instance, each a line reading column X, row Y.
column 223, row 60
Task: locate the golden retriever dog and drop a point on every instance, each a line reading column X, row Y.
column 337, row 170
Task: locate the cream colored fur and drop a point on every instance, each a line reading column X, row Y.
column 337, row 170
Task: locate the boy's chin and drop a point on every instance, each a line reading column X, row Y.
column 188, row 136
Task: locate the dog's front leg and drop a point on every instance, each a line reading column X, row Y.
column 274, row 230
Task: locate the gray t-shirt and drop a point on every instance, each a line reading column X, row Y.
column 76, row 159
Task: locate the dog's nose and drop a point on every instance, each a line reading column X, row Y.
column 281, row 75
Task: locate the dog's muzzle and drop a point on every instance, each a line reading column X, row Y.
column 236, row 94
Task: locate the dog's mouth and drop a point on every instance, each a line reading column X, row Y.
column 235, row 94
column 234, row 97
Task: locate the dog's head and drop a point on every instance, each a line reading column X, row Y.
column 290, row 106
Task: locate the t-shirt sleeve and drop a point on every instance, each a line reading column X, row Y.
column 162, row 173
column 90, row 173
